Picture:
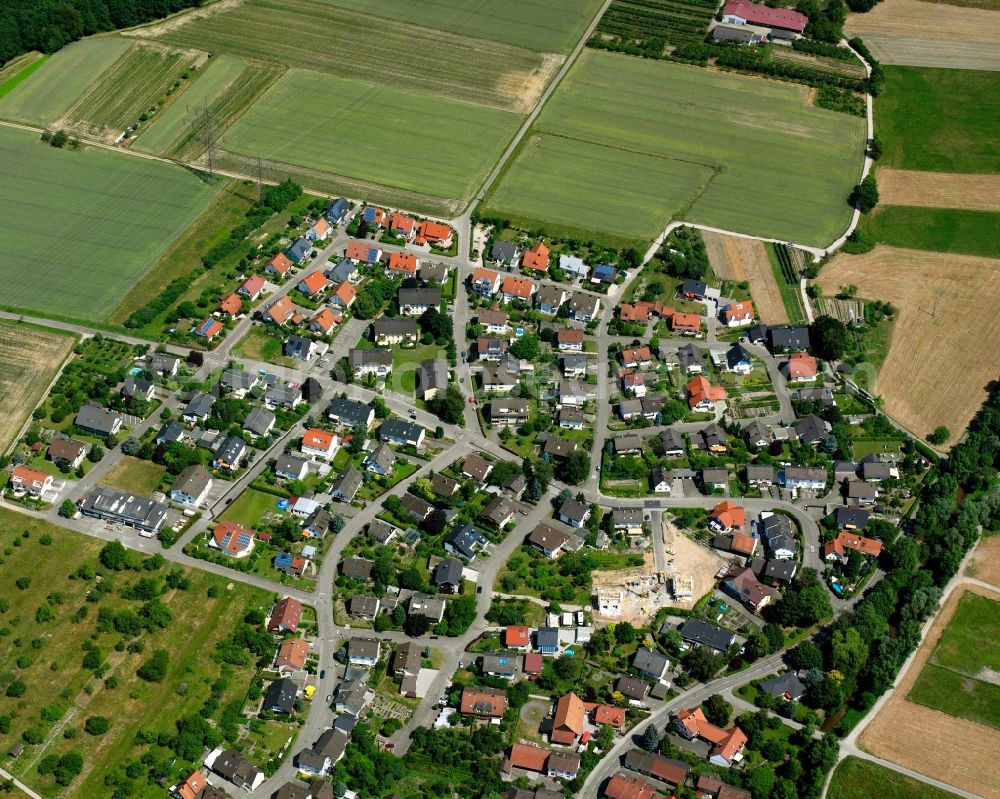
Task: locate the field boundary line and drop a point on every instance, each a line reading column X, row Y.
column 713, row 165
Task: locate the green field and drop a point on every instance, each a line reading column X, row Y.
column 133, row 84
column 576, row 186
column 406, row 361
column 384, row 134
column 91, row 222
column 960, row 677
column 783, row 169
column 19, row 70
column 51, row 91
column 860, row 779
column 349, row 44
column 250, row 507
column 60, row 693
column 937, row 229
column 551, row 26
column 215, row 79
column 939, row 120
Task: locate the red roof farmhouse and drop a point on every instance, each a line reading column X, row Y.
column 741, row 12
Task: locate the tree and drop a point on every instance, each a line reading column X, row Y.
column 439, row 325
column 155, row 668
column 415, row 625
column 805, row 656
column 67, row 509
column 875, row 146
column 829, row 338
column 650, row 740
column 939, row 435
column 717, row 710
column 624, row 633
column 576, row 468
column 96, row 453
column 459, row 614
column 449, row 406
column 804, row 603
column 864, row 196
column 526, row 348
column 114, row 556
column 701, row 664
column 97, row 725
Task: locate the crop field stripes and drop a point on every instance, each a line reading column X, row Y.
column 135, row 82
column 324, row 38
column 19, row 70
column 673, row 21
column 226, row 109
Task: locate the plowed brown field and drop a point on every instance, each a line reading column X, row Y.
column 938, row 189
column 963, row 752
column 943, row 351
column 737, row 259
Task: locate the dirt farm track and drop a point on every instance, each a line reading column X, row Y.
column 930, row 378
column 914, row 33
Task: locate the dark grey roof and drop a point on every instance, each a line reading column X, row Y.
column 347, row 485
column 289, row 465
column 200, row 406
column 701, row 632
column 238, row 380
column 649, row 662
column 736, row 355
column 812, row 429
column 432, row 375
column 259, row 421
column 573, row 509
column 400, row 326
column 299, row 250
column 192, row 480
column 696, row 287
column 727, row 33
column 547, row 637
column 783, row 570
column 689, row 355
column 853, row 517
column 280, row 696
column 422, row 296
column 399, row 430
column 121, row 506
column 171, row 431
column 349, row 412
column 789, row 338
column 358, row 357
column 230, row 450
column 503, row 251
column 784, row 683
column 357, row 568
column 342, row 271
column 382, row 457
column 448, row 572
column 100, row 420
column 297, row 347
column 671, row 440
column 465, row 540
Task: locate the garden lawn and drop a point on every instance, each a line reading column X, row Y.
column 50, row 655
column 134, row 475
column 782, row 169
column 959, row 677
column 937, row 229
column 860, row 779
column 213, row 80
column 50, row 91
column 104, row 218
column 251, row 507
column 257, row 345
column 545, row 25
column 939, row 120
column 406, row 361
column 386, row 134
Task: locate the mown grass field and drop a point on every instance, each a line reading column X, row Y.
column 18, row 70
column 783, row 169
column 54, row 88
column 575, row 187
column 384, row 134
column 349, row 44
column 30, row 357
column 937, row 229
column 215, row 78
column 134, row 475
column 960, row 677
column 132, row 85
column 80, row 228
column 861, row 779
column 550, row 26
column 940, row 120
column 47, row 656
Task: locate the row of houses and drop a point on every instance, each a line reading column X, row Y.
column 547, row 298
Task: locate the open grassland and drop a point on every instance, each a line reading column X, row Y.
column 929, row 379
column 214, row 79
column 60, row 694
column 963, row 752
column 782, row 169
column 348, row 44
column 927, row 34
column 134, row 475
column 226, row 211
column 937, row 229
column 940, row 120
column 132, row 85
column 855, row 778
column 30, row 358
column 577, row 187
column 549, row 26
column 57, row 84
column 80, row 228
column 938, row 189
column 985, row 563
column 234, row 100
column 738, row 259
column 962, row 675
column 384, row 134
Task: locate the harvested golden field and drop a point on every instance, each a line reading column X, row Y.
column 944, row 343
column 30, row 359
column 737, row 259
column 916, row 33
column 963, row 751
column 985, row 563
column 938, row 189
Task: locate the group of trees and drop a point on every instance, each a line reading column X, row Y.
column 684, row 254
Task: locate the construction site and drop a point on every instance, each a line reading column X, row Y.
column 635, row 595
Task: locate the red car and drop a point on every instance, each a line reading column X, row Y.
column 472, row 401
